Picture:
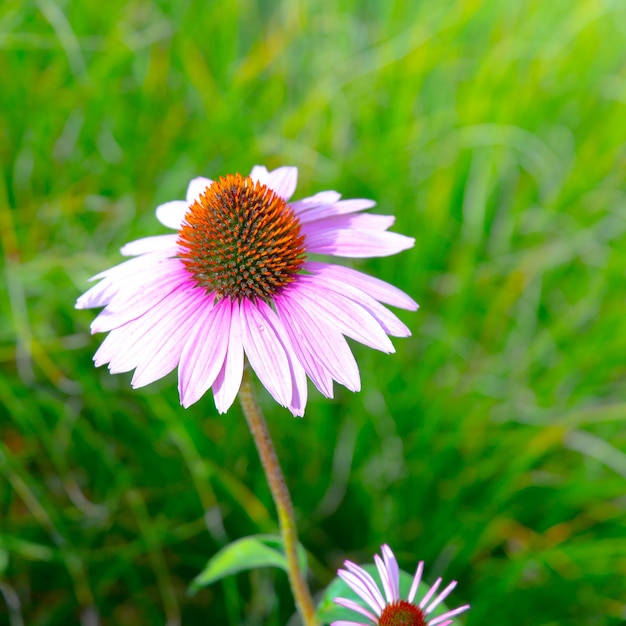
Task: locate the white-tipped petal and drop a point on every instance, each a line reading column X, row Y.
column 228, row 381
column 283, row 181
column 204, row 352
column 196, row 188
column 171, row 214
column 150, row 244
column 265, row 353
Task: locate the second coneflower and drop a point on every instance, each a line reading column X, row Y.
column 392, row 610
column 236, row 278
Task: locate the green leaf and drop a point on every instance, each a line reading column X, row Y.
column 246, row 554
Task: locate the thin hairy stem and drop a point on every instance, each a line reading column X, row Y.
column 282, row 499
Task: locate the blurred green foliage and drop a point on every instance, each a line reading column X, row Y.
column 491, row 445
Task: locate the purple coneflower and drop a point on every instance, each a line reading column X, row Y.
column 236, row 278
column 393, row 611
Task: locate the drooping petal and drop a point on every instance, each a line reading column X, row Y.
column 322, row 342
column 114, row 279
column 379, row 289
column 389, row 322
column 318, row 373
column 165, row 272
column 171, row 214
column 139, row 340
column 228, row 381
column 348, row 317
column 298, row 375
column 204, row 352
column 169, row 345
column 98, row 295
column 197, row 186
column 131, row 304
column 266, row 354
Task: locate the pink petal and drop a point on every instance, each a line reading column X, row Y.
column 449, row 614
column 391, row 565
column 355, row 606
column 416, row 580
column 387, row 320
column 265, row 353
column 135, row 302
column 298, row 375
column 204, row 352
column 171, row 214
column 228, row 381
column 322, row 343
column 379, row 289
column 365, row 579
column 440, row 598
column 98, row 295
column 301, row 346
column 114, row 277
column 169, row 340
column 196, row 188
column 358, row 221
column 321, row 199
column 129, row 289
column 430, row 593
column 337, row 208
column 384, row 578
column 348, row 317
column 139, row 340
column 355, row 243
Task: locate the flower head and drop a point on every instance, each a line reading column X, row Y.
column 237, row 278
column 393, row 611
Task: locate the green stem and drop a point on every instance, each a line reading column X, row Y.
column 282, row 499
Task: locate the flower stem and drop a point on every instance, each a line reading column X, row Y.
column 282, row 499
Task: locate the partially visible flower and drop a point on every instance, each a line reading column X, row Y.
column 236, row 278
column 393, row 611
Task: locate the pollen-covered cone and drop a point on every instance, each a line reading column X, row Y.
column 236, row 279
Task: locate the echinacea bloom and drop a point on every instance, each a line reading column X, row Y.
column 393, row 611
column 237, row 278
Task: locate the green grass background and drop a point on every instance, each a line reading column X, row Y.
column 492, row 444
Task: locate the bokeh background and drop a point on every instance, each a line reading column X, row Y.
column 492, row 444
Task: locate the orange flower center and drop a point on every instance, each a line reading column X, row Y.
column 241, row 240
column 402, row 613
